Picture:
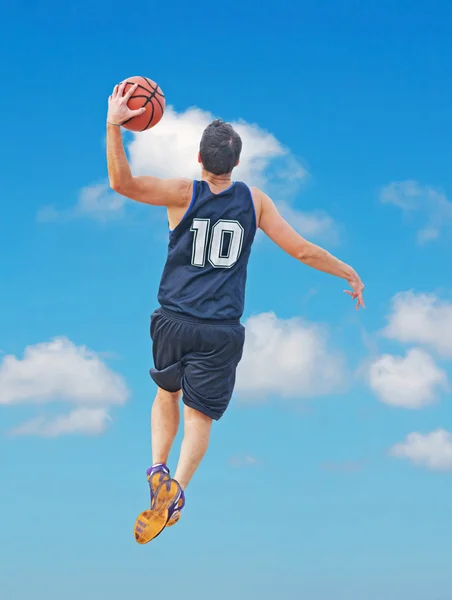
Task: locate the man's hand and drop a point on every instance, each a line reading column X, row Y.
column 358, row 287
column 118, row 111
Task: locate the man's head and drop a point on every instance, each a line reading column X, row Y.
column 220, row 148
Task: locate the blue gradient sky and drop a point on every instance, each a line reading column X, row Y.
column 361, row 94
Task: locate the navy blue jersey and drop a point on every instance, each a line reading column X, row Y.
column 205, row 272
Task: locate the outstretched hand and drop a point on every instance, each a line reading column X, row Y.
column 358, row 287
column 118, row 110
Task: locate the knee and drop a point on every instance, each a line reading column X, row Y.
column 169, row 396
column 193, row 415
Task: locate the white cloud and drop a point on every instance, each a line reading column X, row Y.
column 171, row 150
column 412, row 381
column 421, row 319
column 58, row 371
column 432, row 450
column 287, row 358
column 87, row 421
column 430, row 203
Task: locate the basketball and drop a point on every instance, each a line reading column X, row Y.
column 149, row 95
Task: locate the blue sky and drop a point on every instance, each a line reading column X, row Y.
column 329, row 476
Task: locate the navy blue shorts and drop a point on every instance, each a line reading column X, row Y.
column 199, row 358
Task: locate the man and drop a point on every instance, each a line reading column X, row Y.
column 196, row 333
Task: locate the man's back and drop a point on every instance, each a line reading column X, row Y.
column 205, row 273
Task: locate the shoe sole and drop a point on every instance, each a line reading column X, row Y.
column 151, row 523
column 156, row 480
column 174, row 518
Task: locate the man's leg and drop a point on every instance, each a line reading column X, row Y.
column 164, row 492
column 197, row 428
column 165, row 419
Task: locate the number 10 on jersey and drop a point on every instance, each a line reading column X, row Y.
column 221, row 252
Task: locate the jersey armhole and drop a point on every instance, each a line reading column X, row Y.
column 190, row 206
column 252, row 204
column 192, row 201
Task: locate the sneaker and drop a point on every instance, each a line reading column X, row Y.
column 166, row 503
column 175, row 513
column 156, row 475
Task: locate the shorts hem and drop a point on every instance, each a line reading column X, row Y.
column 172, row 389
column 202, row 409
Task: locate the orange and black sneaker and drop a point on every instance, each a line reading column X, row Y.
column 156, row 475
column 167, row 500
column 176, row 511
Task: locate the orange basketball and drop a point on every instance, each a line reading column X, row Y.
column 149, row 95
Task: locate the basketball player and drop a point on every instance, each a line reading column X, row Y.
column 196, row 333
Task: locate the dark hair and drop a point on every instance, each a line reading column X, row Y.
column 220, row 148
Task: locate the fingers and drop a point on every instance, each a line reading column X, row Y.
column 118, row 92
column 139, row 111
column 121, row 88
column 128, row 94
column 354, row 296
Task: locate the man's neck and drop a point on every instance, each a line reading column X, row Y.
column 217, row 182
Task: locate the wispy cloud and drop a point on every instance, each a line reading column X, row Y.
column 432, row 450
column 430, row 203
column 86, row 421
column 96, row 202
column 422, row 319
column 241, row 461
column 410, row 381
column 313, row 225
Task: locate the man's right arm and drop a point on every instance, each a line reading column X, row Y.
column 147, row 189
column 285, row 236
